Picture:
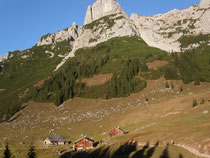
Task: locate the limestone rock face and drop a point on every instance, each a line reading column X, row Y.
column 205, row 4
column 105, row 19
column 102, row 8
column 164, row 30
column 88, row 17
column 69, row 34
column 121, row 26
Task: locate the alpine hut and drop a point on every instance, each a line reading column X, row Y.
column 84, row 143
column 54, row 141
column 117, row 131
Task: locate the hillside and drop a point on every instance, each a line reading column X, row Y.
column 148, row 75
column 168, row 115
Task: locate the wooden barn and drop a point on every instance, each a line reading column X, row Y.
column 55, row 141
column 117, row 131
column 84, row 143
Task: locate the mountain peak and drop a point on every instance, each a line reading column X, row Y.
column 102, row 8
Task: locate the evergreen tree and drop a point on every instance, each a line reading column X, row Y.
column 7, row 152
column 195, row 102
column 202, row 101
column 170, row 73
column 166, row 85
column 196, row 79
column 31, row 152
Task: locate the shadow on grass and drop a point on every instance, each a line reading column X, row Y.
column 122, row 152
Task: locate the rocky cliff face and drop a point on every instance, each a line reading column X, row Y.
column 164, row 30
column 205, row 4
column 69, row 34
column 102, row 8
column 105, row 19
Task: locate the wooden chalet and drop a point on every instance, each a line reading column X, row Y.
column 84, row 143
column 117, row 131
column 55, row 141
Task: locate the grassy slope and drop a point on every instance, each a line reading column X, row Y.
column 119, row 49
column 20, row 73
column 172, row 113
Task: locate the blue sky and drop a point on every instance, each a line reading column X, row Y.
column 23, row 22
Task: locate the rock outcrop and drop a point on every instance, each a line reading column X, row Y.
column 101, row 30
column 10, row 55
column 105, row 19
column 164, row 30
column 102, row 8
column 69, row 34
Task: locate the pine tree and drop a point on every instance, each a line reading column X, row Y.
column 31, row 152
column 202, row 101
column 166, row 85
column 195, row 102
column 7, row 152
column 196, row 79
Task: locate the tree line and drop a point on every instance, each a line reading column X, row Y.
column 67, row 83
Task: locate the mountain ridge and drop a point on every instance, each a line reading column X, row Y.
column 149, row 28
column 154, row 30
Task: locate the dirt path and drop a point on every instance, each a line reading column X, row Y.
column 194, row 151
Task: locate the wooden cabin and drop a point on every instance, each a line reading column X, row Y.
column 117, row 131
column 84, row 143
column 55, row 141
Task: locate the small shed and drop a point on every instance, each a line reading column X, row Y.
column 54, row 141
column 84, row 143
column 117, row 131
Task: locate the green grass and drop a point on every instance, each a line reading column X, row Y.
column 108, row 20
column 18, row 73
column 119, row 49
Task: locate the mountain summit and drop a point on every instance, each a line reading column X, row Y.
column 102, row 8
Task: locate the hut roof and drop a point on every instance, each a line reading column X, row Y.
column 85, row 137
column 119, row 129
